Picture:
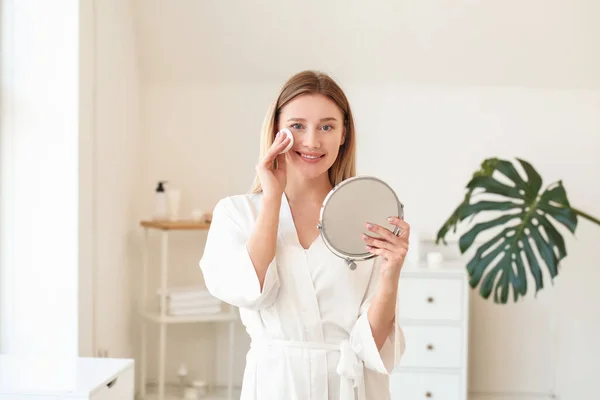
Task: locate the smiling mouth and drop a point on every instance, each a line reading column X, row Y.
column 310, row 157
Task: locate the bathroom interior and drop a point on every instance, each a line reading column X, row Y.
column 105, row 101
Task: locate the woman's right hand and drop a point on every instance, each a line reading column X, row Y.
column 273, row 180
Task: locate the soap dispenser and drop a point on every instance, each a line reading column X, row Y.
column 160, row 202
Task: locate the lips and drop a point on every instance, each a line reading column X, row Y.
column 310, row 157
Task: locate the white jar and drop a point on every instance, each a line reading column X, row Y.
column 201, row 387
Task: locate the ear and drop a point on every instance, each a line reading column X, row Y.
column 343, row 137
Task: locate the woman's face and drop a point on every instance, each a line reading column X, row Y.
column 318, row 128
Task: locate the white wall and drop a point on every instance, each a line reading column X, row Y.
column 87, row 73
column 117, row 148
column 542, row 43
column 425, row 79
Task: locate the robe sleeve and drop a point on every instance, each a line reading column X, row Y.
column 228, row 271
column 361, row 336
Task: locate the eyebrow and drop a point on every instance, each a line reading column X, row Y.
column 322, row 119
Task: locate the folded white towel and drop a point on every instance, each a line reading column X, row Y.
column 193, row 303
column 186, row 293
column 194, row 311
column 192, row 298
column 184, row 289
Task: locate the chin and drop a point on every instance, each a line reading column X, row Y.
column 311, row 169
column 310, row 172
column 312, row 175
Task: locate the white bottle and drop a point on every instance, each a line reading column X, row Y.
column 173, row 201
column 413, row 257
column 160, row 202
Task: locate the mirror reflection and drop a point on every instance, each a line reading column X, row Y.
column 352, row 204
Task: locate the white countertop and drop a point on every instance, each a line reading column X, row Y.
column 72, row 377
column 456, row 267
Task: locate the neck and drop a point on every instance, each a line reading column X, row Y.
column 305, row 191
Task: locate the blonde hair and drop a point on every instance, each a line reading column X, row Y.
column 313, row 82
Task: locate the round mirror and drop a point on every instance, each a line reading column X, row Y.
column 346, row 210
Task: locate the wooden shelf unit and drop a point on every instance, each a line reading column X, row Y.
column 181, row 225
column 162, row 319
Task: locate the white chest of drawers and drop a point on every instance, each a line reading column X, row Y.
column 37, row 378
column 434, row 313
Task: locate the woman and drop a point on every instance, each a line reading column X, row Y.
column 319, row 330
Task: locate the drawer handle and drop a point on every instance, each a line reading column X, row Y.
column 428, row 395
column 111, row 383
column 430, row 347
column 430, row 299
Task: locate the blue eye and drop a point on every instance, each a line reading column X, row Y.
column 327, row 128
column 297, row 126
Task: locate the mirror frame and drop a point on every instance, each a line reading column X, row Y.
column 352, row 257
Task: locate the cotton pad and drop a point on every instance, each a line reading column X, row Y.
column 289, row 134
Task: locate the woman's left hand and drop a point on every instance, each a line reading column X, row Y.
column 390, row 247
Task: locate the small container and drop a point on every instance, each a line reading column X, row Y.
column 434, row 259
column 190, row 393
column 198, row 215
column 173, row 201
column 198, row 390
column 201, row 388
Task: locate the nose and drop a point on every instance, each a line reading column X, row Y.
column 311, row 138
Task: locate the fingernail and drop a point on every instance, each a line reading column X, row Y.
column 369, row 226
column 390, row 219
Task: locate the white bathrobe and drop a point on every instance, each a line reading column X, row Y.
column 310, row 336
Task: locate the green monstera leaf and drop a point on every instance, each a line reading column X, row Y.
column 525, row 236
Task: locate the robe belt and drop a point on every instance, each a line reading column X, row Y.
column 349, row 367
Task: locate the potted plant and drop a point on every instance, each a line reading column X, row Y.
column 524, row 228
